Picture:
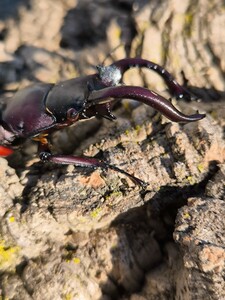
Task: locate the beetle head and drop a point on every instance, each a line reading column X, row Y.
column 72, row 100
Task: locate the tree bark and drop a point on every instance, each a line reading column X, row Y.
column 69, row 233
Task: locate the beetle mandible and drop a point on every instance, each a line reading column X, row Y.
column 42, row 108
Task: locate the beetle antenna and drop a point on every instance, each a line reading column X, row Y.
column 111, row 52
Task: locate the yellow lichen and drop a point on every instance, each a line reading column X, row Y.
column 191, row 180
column 137, row 128
column 68, row 296
column 8, row 255
column 188, row 18
column 76, row 260
column 113, row 195
column 186, row 216
column 11, row 219
column 95, row 213
column 127, row 132
column 188, row 27
column 200, row 168
column 214, row 114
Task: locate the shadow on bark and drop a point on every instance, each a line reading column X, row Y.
column 82, row 28
column 148, row 230
column 10, row 9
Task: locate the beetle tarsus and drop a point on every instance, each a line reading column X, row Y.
column 132, row 177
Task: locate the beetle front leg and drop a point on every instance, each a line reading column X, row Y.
column 86, row 162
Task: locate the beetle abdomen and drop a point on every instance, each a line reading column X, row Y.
column 25, row 113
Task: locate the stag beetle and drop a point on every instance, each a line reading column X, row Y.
column 40, row 109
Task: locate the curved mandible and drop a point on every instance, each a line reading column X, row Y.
column 174, row 87
column 145, row 96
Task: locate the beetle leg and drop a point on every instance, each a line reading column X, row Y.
column 86, row 162
column 145, row 96
column 175, row 89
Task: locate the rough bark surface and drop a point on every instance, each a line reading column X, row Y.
column 81, row 234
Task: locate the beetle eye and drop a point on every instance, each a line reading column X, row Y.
column 72, row 114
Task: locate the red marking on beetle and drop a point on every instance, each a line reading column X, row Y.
column 4, row 151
